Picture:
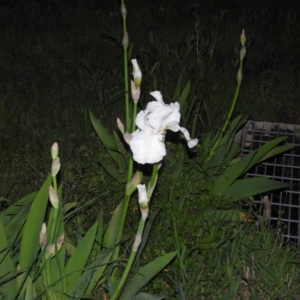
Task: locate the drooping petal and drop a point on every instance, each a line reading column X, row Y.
column 191, row 142
column 147, row 146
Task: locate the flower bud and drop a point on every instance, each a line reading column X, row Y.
column 54, row 151
column 243, row 38
column 123, row 11
column 135, row 92
column 55, row 166
column 137, row 242
column 125, row 40
column 43, row 236
column 50, row 250
column 127, row 137
column 120, row 125
column 143, row 196
column 53, row 197
column 242, row 52
column 145, row 213
column 137, row 73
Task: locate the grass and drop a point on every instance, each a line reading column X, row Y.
column 60, row 59
column 241, row 264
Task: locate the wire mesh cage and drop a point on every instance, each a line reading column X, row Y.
column 280, row 207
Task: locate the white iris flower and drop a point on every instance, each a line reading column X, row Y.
column 147, row 142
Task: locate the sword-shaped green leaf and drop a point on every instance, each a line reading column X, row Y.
column 106, row 139
column 35, row 218
column 277, row 150
column 7, row 266
column 184, row 96
column 248, row 187
column 145, row 274
column 79, row 258
column 112, row 172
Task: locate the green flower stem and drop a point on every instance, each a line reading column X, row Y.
column 129, row 178
column 135, row 105
column 236, row 95
column 129, row 263
column 126, row 91
column 139, row 231
column 52, row 240
column 124, row 209
column 122, row 221
column 123, row 218
column 125, row 205
column 55, row 214
column 129, row 124
column 54, row 181
column 125, row 57
column 231, row 110
column 153, row 180
column 130, row 170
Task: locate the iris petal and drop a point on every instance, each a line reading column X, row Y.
column 191, row 142
column 147, row 147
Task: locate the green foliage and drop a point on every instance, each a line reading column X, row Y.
column 114, row 148
column 29, row 271
column 63, row 269
column 206, row 195
column 144, row 274
column 30, row 235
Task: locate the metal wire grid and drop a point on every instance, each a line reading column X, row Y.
column 284, row 205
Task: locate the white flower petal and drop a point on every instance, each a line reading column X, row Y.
column 159, row 116
column 158, row 96
column 147, row 147
column 171, row 122
column 191, row 143
column 140, row 121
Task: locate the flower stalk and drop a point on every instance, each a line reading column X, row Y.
column 125, row 58
column 144, row 199
column 53, row 245
column 236, row 95
column 147, row 144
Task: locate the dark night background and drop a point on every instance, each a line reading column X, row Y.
column 60, row 58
